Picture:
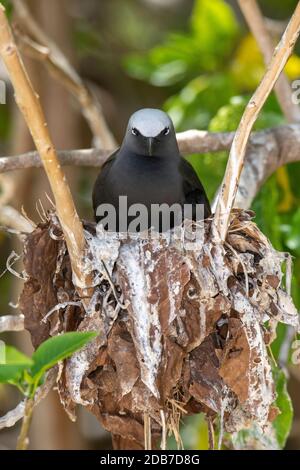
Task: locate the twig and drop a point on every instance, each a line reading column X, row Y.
column 147, row 432
column 163, row 444
column 12, row 417
column 237, row 154
column 267, row 150
column 194, row 141
column 11, row 218
column 29, row 104
column 189, row 142
column 39, row 46
column 211, row 433
column 23, row 440
column 11, row 323
column 58, row 307
column 264, row 40
column 89, row 157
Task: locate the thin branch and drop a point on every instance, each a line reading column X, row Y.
column 89, row 158
column 39, row 46
column 264, row 40
column 11, row 323
column 12, row 417
column 23, row 439
column 194, row 141
column 237, row 154
column 11, row 218
column 267, row 150
column 29, row 104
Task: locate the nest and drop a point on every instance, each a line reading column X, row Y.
column 180, row 332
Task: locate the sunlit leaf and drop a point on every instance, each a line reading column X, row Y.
column 11, row 372
column 183, row 56
column 214, row 23
column 199, row 100
column 14, row 356
column 58, row 348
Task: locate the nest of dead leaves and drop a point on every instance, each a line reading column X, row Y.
column 180, row 332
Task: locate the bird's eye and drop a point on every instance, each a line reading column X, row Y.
column 166, row 131
column 134, row 131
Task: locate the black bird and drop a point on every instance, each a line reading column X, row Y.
column 149, row 169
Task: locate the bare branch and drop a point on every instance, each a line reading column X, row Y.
column 13, row 416
column 11, row 323
column 260, row 31
column 11, row 218
column 23, row 439
column 29, row 104
column 88, row 157
column 237, row 154
column 39, row 46
column 194, row 141
column 267, row 150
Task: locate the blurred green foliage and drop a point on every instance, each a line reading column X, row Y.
column 8, row 6
column 282, row 423
column 205, row 47
column 210, row 71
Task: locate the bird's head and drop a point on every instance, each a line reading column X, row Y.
column 150, row 132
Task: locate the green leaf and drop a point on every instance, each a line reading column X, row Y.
column 11, row 372
column 214, row 23
column 57, row 349
column 14, row 357
column 283, row 422
column 183, row 56
column 199, row 101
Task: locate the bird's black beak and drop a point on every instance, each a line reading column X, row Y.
column 150, row 142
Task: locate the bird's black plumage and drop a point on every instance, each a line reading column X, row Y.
column 148, row 168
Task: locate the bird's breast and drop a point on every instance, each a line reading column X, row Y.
column 146, row 182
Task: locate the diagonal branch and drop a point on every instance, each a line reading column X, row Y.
column 29, row 104
column 34, row 42
column 259, row 29
column 237, row 154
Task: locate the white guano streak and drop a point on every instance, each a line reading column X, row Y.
column 145, row 315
